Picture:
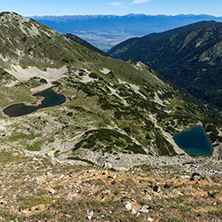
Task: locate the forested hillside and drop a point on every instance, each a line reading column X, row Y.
column 190, row 57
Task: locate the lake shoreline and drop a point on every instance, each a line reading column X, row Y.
column 185, row 141
column 38, row 103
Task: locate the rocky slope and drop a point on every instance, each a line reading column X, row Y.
column 38, row 188
column 189, row 56
column 119, row 112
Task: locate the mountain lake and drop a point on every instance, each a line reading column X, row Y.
column 194, row 141
column 50, row 98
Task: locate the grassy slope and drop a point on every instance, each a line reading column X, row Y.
column 121, row 101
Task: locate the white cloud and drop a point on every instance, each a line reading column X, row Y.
column 140, row 1
column 135, row 2
column 116, row 4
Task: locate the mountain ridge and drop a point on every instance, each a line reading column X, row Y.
column 195, row 51
column 84, row 43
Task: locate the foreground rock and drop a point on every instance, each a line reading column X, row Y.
column 39, row 189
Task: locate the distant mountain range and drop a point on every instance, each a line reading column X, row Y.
column 190, row 57
column 105, row 31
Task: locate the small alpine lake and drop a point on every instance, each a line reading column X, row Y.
column 194, row 141
column 50, row 98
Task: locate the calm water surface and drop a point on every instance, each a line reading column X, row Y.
column 194, row 141
column 50, row 98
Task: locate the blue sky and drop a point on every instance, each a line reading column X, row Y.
column 117, row 7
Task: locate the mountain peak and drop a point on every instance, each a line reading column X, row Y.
column 27, row 26
column 25, row 41
column 12, row 16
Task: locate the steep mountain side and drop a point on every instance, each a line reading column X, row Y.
column 105, row 31
column 123, row 49
column 190, row 59
column 28, row 43
column 115, row 111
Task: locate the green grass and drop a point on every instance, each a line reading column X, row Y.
column 146, row 168
column 25, row 203
column 9, row 216
column 9, row 156
column 109, row 141
column 78, row 158
column 18, row 136
column 36, row 146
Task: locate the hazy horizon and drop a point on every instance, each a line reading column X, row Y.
column 112, row 7
column 124, row 15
